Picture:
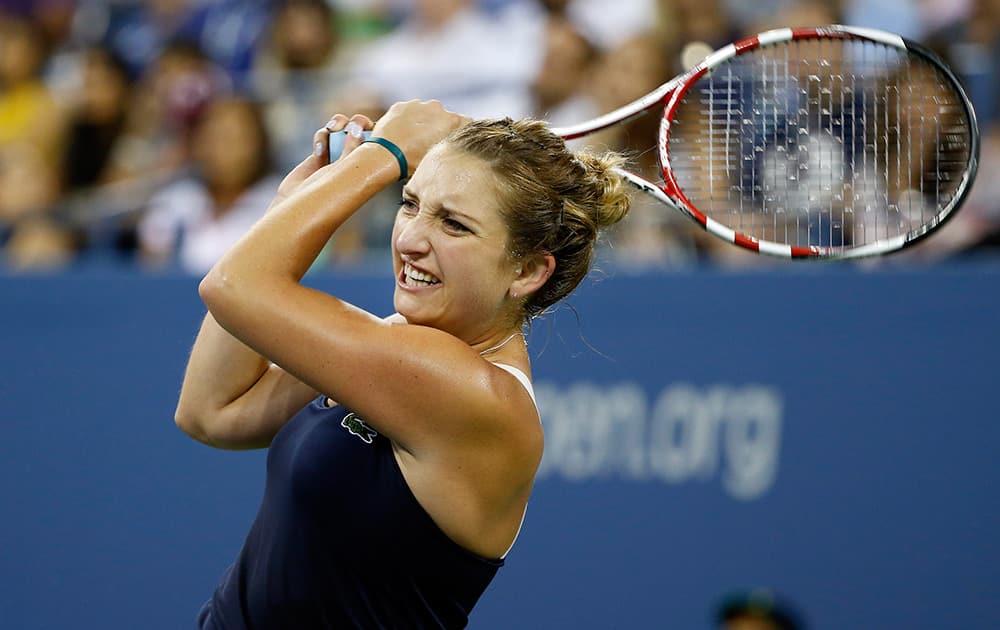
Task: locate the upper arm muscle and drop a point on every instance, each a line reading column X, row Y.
column 253, row 419
column 412, row 383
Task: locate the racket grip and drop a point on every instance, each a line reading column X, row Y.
column 337, row 139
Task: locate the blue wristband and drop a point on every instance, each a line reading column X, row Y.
column 404, row 168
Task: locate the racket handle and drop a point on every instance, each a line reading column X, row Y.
column 337, row 139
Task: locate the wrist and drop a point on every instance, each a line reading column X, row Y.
column 380, row 166
column 393, row 149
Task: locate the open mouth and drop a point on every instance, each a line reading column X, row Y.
column 413, row 277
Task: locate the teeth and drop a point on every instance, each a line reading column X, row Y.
column 415, row 275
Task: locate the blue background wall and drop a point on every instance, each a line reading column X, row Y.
column 828, row 432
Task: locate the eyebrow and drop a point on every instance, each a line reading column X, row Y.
column 408, row 192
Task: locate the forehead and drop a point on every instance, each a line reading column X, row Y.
column 451, row 178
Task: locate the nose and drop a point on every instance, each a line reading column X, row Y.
column 411, row 235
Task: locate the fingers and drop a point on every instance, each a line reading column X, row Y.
column 321, row 139
column 338, row 122
column 320, row 156
column 354, row 128
column 415, row 126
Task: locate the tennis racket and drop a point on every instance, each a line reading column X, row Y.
column 829, row 142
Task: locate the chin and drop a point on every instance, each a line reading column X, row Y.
column 421, row 315
column 410, row 311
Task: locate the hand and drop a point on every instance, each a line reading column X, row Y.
column 321, row 152
column 416, row 126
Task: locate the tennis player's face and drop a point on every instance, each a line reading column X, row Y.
column 449, row 247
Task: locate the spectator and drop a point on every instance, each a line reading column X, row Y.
column 704, row 24
column 793, row 14
column 752, row 17
column 29, row 189
column 28, row 112
column 975, row 229
column 55, row 20
column 140, row 31
column 451, row 50
column 561, row 94
column 631, row 18
column 970, row 43
column 227, row 30
column 298, row 78
column 652, row 236
column 757, row 610
column 170, row 97
column 40, row 244
column 97, row 118
column 898, row 16
column 560, row 60
column 967, row 36
column 31, row 132
column 193, row 220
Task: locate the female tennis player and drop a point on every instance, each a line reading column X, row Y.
column 402, row 450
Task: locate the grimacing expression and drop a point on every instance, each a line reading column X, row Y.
column 449, row 245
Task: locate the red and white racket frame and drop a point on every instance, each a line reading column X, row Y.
column 671, row 93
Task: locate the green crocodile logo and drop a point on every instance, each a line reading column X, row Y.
column 358, row 427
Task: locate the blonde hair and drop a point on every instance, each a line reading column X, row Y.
column 552, row 200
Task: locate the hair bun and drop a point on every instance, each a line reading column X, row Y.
column 614, row 193
column 552, row 200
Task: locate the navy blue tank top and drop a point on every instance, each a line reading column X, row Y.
column 341, row 542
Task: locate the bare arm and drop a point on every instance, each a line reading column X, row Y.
column 387, row 372
column 231, row 396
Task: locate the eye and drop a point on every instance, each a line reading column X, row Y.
column 454, row 225
column 408, row 206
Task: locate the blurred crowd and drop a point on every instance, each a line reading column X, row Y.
column 154, row 133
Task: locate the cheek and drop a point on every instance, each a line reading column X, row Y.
column 488, row 281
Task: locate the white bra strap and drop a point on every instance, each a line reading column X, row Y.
column 521, row 377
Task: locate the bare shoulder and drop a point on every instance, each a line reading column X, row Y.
column 520, row 421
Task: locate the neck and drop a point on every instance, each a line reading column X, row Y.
column 504, row 342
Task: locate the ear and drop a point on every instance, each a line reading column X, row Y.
column 532, row 273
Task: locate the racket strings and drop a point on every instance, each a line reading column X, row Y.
column 822, row 142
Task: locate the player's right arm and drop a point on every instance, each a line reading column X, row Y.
column 232, row 397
